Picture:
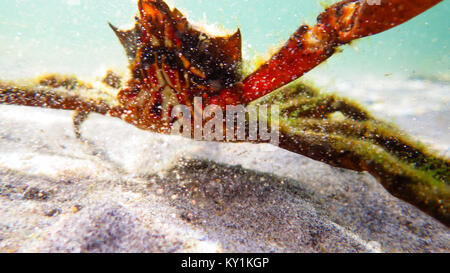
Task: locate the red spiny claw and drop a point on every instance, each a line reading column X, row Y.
column 339, row 24
column 356, row 19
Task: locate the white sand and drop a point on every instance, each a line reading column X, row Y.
column 126, row 190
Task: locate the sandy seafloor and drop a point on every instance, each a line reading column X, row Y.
column 127, row 190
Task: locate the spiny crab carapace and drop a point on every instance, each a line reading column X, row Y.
column 172, row 62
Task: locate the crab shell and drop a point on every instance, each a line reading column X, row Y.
column 172, row 62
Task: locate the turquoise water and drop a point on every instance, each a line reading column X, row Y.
column 72, row 36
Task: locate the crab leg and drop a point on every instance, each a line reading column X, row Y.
column 46, row 97
column 339, row 24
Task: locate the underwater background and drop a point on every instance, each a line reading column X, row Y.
column 116, row 188
column 401, row 75
column 72, row 36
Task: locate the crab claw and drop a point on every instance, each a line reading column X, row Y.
column 153, row 9
column 159, row 23
column 352, row 19
column 339, row 24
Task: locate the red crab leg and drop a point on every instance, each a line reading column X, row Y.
column 339, row 24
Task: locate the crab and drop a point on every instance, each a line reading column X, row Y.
column 174, row 63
